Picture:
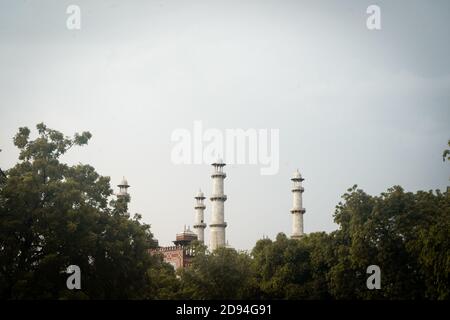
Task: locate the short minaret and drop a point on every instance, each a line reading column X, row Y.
column 218, row 225
column 200, row 225
column 123, row 188
column 297, row 209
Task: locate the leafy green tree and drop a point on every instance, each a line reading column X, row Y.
column 431, row 245
column 163, row 284
column 392, row 231
column 406, row 234
column 53, row 215
column 446, row 154
column 222, row 274
column 293, row 269
column 2, row 174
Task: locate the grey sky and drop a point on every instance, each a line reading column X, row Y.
column 352, row 105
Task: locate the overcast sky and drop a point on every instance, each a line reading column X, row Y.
column 353, row 106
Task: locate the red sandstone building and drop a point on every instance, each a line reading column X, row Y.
column 179, row 255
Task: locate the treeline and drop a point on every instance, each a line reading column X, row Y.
column 53, row 215
column 405, row 234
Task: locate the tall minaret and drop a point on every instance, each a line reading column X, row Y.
column 297, row 209
column 218, row 225
column 123, row 188
column 199, row 225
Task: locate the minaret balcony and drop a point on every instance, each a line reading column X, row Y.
column 218, row 197
column 200, row 225
column 220, row 225
column 200, row 206
column 298, row 210
column 298, row 189
column 218, row 174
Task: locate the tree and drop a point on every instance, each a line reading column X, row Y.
column 53, row 215
column 446, row 154
column 293, row 269
column 222, row 274
column 431, row 246
column 2, row 174
column 405, row 234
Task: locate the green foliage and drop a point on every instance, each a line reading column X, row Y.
column 446, row 154
column 293, row 269
column 163, row 285
column 53, row 215
column 222, row 274
column 405, row 234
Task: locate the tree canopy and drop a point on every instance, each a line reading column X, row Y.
column 53, row 215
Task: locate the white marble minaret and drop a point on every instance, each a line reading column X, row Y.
column 200, row 225
column 218, row 225
column 297, row 208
